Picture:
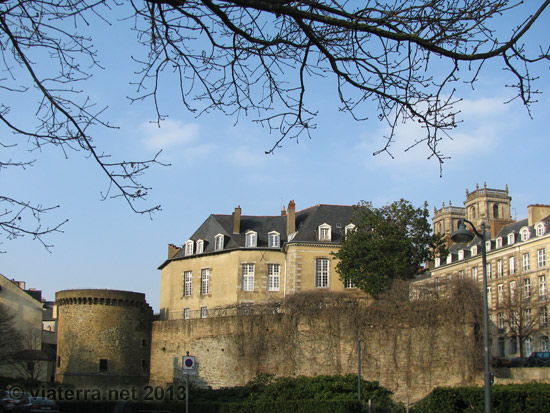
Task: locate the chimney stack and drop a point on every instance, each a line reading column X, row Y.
column 172, row 250
column 283, row 212
column 537, row 212
column 237, row 220
column 291, row 218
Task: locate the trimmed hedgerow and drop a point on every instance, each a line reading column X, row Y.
column 524, row 398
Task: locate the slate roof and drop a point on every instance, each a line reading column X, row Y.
column 514, row 227
column 307, row 222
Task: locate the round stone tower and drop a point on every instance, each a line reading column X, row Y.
column 104, row 337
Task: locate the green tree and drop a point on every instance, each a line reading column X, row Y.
column 388, row 243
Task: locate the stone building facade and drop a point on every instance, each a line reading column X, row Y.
column 236, row 260
column 104, row 337
column 517, row 268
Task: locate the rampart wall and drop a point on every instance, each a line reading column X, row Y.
column 409, row 359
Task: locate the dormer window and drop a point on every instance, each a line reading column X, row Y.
column 274, row 239
column 539, row 229
column 461, row 254
column 437, row 262
column 488, row 245
column 218, row 245
column 511, row 238
column 324, row 232
column 200, row 246
column 449, row 258
column 189, row 247
column 349, row 228
column 473, row 250
column 498, row 243
column 251, row 239
column 524, row 234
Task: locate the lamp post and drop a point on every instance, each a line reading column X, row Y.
column 462, row 235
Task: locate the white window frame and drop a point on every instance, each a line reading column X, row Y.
column 349, row 284
column 473, row 250
column 527, row 289
column 498, row 242
column 251, row 240
column 501, row 321
column 461, row 254
column 500, row 269
column 204, row 311
column 274, row 239
column 200, row 246
column 489, row 271
column 539, row 229
column 324, row 232
column 449, row 258
column 349, row 228
column 205, row 281
column 474, row 274
column 186, row 313
column 524, row 234
column 525, row 262
column 512, row 291
column 542, row 287
column 488, row 245
column 511, row 265
column 511, row 238
column 541, row 258
column 187, row 283
column 322, row 272
column 489, row 297
column 189, row 247
column 544, row 343
column 437, row 262
column 543, row 318
column 500, row 294
column 528, row 348
column 218, row 242
column 248, row 270
column 273, row 277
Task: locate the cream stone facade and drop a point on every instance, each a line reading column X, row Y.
column 517, row 268
column 235, row 260
column 27, row 319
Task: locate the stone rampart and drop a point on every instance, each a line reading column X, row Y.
column 410, row 360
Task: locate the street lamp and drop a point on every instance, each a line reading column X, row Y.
column 462, row 235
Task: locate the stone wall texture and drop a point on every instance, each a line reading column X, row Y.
column 113, row 326
column 229, row 351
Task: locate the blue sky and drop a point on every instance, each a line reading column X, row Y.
column 217, row 165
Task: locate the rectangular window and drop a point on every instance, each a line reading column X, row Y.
column 349, row 284
column 186, row 313
column 499, row 268
column 200, row 247
column 500, row 294
column 541, row 258
column 204, row 312
column 248, row 277
column 501, row 320
column 528, row 349
column 543, row 317
column 544, row 343
column 251, row 239
column 512, row 265
column 205, row 281
column 273, row 277
column 526, row 289
column 512, row 291
column 489, row 297
column 489, row 275
column 474, row 273
column 218, row 243
column 321, row 272
column 274, row 240
column 525, row 261
column 187, row 283
column 542, row 287
column 103, row 365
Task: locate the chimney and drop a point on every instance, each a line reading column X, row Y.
column 172, row 250
column 537, row 212
column 237, row 220
column 283, row 212
column 291, row 218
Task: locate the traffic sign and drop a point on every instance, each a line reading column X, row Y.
column 188, row 363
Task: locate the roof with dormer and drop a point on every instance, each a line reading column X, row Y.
column 307, row 224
